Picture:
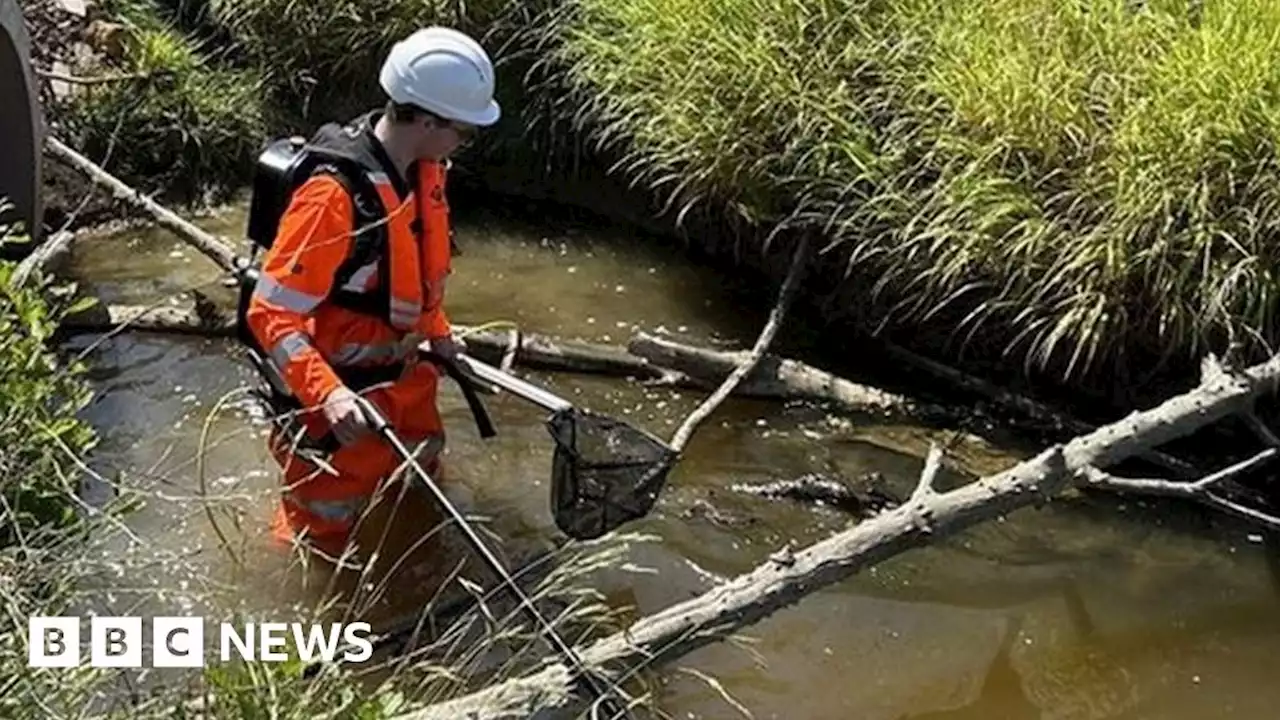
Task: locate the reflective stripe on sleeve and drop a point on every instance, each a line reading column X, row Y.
column 269, row 290
column 404, row 313
column 359, row 353
column 289, row 348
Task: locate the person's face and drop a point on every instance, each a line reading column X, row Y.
column 440, row 138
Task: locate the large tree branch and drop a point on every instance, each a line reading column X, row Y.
column 531, row 350
column 775, row 377
column 928, row 516
column 215, row 249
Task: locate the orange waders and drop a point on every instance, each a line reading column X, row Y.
column 323, row 504
column 334, row 308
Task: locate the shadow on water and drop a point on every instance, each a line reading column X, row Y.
column 1081, row 609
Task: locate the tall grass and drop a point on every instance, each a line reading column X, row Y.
column 1086, row 186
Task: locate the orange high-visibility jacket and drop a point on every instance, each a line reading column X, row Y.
column 328, row 307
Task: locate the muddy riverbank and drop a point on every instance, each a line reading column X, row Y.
column 1078, row 610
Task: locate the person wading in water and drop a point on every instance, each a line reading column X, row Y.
column 354, row 281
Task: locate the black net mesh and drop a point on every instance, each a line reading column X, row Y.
column 604, row 472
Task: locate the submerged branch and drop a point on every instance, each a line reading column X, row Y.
column 1203, row 491
column 205, row 317
column 928, row 516
column 776, row 378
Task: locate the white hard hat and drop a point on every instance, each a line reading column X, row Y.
column 444, row 71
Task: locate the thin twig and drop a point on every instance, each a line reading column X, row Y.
column 925, row 491
column 708, row 406
column 1201, row 491
column 201, row 486
column 102, row 79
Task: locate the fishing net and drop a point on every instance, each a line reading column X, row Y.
column 604, row 472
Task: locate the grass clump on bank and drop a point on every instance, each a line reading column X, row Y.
column 1086, row 187
column 189, row 125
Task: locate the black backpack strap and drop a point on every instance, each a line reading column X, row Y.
column 370, row 239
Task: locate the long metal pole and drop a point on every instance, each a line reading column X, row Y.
column 384, row 428
column 512, row 384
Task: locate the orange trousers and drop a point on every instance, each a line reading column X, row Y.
column 321, row 506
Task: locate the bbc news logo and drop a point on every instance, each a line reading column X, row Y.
column 178, row 642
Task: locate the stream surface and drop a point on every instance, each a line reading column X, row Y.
column 1080, row 610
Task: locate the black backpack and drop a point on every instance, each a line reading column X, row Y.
column 281, row 168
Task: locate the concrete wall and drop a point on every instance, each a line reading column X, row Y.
column 21, row 126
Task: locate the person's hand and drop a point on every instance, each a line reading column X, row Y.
column 346, row 414
column 448, row 347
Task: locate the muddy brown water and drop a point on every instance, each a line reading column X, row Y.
column 1085, row 609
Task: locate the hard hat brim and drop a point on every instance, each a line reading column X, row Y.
column 484, row 118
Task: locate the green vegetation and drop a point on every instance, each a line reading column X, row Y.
column 38, row 430
column 1088, row 183
column 41, row 526
column 320, row 60
column 1083, row 187
column 189, row 125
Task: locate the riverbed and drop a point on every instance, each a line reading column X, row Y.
column 1087, row 608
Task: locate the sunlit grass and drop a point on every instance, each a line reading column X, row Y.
column 1086, row 185
column 1080, row 182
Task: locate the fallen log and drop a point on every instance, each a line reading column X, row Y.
column 866, row 496
column 1032, row 409
column 164, row 317
column 215, row 249
column 773, row 378
column 694, row 368
column 542, row 352
column 926, row 516
column 203, row 317
column 778, row 378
